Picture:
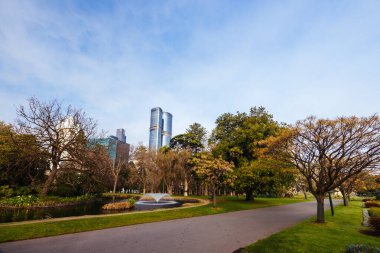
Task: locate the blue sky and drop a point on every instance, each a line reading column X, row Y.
column 195, row 59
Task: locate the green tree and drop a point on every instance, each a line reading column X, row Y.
column 194, row 139
column 265, row 176
column 22, row 162
column 238, row 138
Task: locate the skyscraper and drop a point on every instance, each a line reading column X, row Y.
column 118, row 151
column 120, row 134
column 160, row 132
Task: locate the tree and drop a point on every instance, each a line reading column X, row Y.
column 360, row 182
column 194, row 139
column 142, row 164
column 215, row 171
column 165, row 164
column 183, row 168
column 329, row 152
column 22, row 162
column 237, row 138
column 61, row 132
column 265, row 176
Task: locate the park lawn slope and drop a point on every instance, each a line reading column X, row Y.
column 13, row 232
column 334, row 236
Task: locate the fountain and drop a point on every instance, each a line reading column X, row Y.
column 157, row 200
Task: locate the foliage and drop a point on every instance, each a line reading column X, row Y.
column 215, row 171
column 329, row 152
column 20, row 201
column 22, row 162
column 5, row 191
column 236, row 138
column 35, row 201
column 73, row 183
column 132, row 201
column 193, row 139
column 374, row 211
column 362, row 248
column 265, row 176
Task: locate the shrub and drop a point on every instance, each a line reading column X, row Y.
column 117, row 206
column 372, row 204
column 374, row 222
column 5, row 191
column 365, row 200
column 362, row 248
column 24, row 190
column 132, row 201
column 21, row 201
column 374, row 211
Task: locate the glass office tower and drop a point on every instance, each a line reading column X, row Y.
column 160, row 132
column 120, row 134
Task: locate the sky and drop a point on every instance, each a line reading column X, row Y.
column 195, row 59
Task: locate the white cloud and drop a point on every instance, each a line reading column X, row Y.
column 194, row 60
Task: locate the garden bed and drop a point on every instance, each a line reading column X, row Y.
column 32, row 201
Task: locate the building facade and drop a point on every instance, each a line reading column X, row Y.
column 120, row 134
column 160, row 131
column 118, row 151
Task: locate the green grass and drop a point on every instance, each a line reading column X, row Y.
column 334, row 236
column 42, row 229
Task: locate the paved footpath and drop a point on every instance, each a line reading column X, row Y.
column 215, row 233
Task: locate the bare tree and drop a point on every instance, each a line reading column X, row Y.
column 62, row 132
column 329, row 152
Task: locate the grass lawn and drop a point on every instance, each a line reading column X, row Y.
column 50, row 228
column 334, row 236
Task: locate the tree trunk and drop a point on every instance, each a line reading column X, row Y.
column 50, row 179
column 185, row 187
column 305, row 194
column 249, row 195
column 320, row 208
column 344, row 196
column 114, row 185
column 169, row 188
column 213, row 197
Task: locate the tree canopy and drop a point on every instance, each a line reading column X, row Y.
column 329, row 152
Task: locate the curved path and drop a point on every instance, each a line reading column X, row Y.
column 215, row 233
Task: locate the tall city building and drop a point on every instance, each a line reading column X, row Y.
column 120, row 134
column 160, row 131
column 118, row 151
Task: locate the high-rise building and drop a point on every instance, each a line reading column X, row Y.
column 120, row 134
column 118, row 151
column 160, row 131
